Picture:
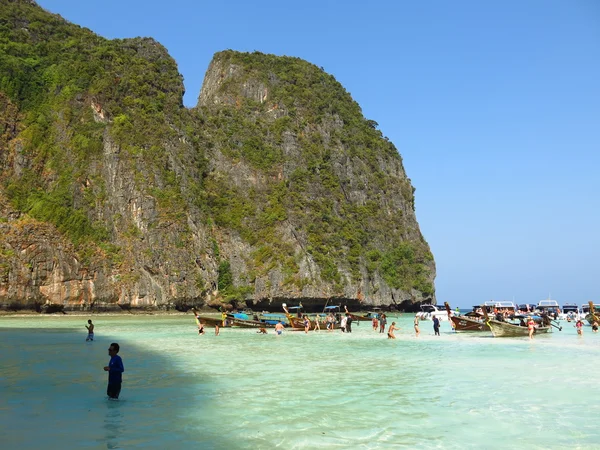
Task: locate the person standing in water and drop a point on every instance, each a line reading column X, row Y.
column 90, row 328
column 306, row 324
column 317, row 324
column 579, row 326
column 115, row 371
column 349, row 323
column 417, row 330
column 391, row 330
column 382, row 323
column 436, row 325
column 531, row 327
column 343, row 323
column 200, row 324
column 279, row 328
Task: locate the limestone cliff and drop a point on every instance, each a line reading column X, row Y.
column 114, row 196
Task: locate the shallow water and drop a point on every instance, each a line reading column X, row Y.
column 242, row 390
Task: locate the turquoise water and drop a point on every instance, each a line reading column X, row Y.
column 242, row 390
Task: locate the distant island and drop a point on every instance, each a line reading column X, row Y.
column 114, row 196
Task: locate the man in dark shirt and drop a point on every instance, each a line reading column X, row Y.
column 349, row 323
column 436, row 325
column 115, row 369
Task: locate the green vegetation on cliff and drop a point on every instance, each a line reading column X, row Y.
column 329, row 128
column 80, row 114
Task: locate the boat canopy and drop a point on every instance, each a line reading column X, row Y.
column 429, row 308
column 329, row 308
column 505, row 305
column 526, row 306
column 548, row 304
column 489, row 303
column 570, row 307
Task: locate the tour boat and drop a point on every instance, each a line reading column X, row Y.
column 428, row 312
column 550, row 307
column 569, row 311
column 517, row 326
column 475, row 320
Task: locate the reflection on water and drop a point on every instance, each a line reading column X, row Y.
column 113, row 424
column 241, row 390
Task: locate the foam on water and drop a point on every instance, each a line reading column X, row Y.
column 331, row 390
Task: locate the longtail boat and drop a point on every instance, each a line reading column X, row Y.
column 249, row 323
column 508, row 329
column 254, row 320
column 594, row 314
column 297, row 323
column 474, row 322
column 210, row 321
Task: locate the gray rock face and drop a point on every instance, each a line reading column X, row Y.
column 176, row 256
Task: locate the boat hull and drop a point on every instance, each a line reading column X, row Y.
column 504, row 329
column 297, row 323
column 212, row 321
column 591, row 318
column 462, row 323
column 250, row 323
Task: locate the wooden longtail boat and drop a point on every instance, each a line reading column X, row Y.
column 210, row 321
column 248, row 323
column 507, row 329
column 467, row 323
column 297, row 323
column 594, row 314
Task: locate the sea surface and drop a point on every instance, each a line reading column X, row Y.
column 243, row 390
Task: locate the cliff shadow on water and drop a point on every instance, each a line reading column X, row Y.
column 53, row 382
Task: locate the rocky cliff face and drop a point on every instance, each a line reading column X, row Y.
column 114, row 196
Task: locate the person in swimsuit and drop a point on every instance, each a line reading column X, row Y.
column 417, row 330
column 200, row 324
column 317, row 324
column 306, row 323
column 330, row 322
column 595, row 327
column 579, row 326
column 262, row 330
column 279, row 327
column 391, row 330
column 375, row 324
column 90, row 328
column 531, row 327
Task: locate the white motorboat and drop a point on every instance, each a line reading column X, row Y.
column 569, row 311
column 550, row 307
column 428, row 312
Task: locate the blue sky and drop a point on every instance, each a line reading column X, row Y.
column 494, row 107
